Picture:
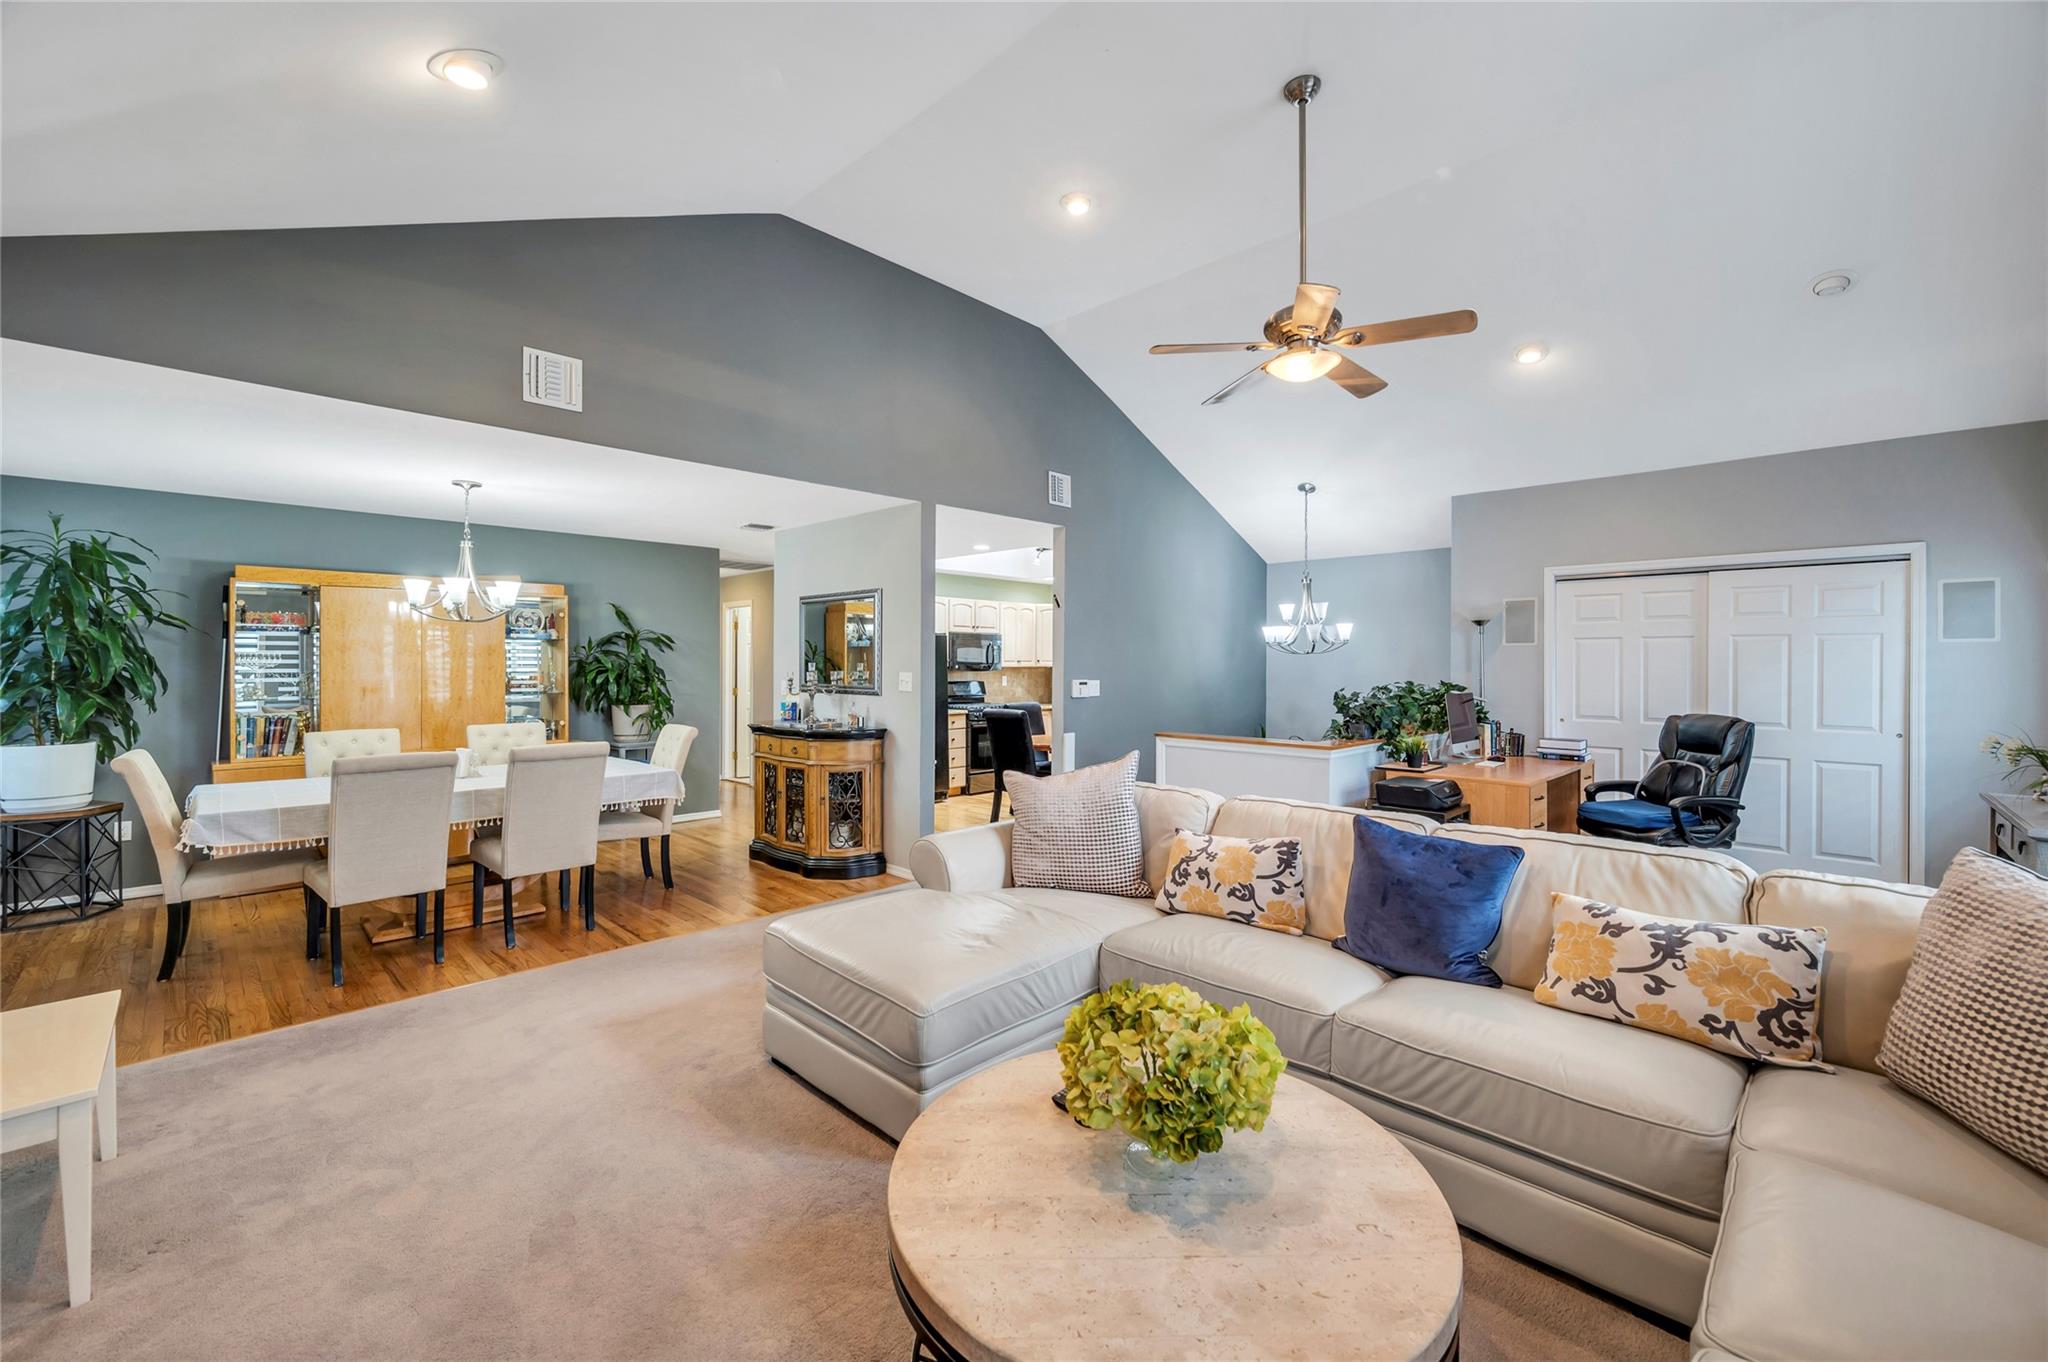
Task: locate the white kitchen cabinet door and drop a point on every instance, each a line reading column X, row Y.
column 1046, row 625
column 960, row 614
column 988, row 615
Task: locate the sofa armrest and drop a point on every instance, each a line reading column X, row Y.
column 965, row 860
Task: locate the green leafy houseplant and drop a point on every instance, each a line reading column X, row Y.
column 77, row 663
column 2023, row 757
column 1388, row 710
column 1169, row 1069
column 622, row 670
column 1408, row 746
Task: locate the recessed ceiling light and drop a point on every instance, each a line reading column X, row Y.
column 981, row 548
column 1077, row 204
column 468, row 67
column 1535, row 352
column 1833, row 282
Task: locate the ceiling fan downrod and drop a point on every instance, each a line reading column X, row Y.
column 1299, row 92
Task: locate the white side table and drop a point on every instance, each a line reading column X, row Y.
column 56, row 1077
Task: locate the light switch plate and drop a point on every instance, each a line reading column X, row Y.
column 1085, row 689
column 905, row 681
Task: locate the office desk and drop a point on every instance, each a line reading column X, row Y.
column 1521, row 792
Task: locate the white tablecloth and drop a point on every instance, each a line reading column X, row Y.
column 265, row 815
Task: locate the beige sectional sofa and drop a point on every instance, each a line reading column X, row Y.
column 1785, row 1213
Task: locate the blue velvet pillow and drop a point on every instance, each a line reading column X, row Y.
column 1425, row 905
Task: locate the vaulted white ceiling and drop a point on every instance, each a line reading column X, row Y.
column 1646, row 188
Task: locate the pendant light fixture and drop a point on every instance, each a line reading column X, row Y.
column 460, row 597
column 1303, row 629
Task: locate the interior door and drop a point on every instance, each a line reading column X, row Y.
column 1817, row 658
column 737, row 676
column 1630, row 651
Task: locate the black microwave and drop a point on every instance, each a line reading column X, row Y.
column 974, row 650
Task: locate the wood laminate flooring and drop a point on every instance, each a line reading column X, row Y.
column 245, row 969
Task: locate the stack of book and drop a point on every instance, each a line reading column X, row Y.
column 269, row 734
column 1562, row 749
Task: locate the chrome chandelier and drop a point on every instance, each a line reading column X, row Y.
column 460, row 597
column 1303, row 630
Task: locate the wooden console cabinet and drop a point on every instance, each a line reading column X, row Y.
column 818, row 800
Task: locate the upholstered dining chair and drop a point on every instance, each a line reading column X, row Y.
column 323, row 747
column 493, row 744
column 1009, row 749
column 671, row 749
column 552, row 793
column 187, row 876
column 387, row 837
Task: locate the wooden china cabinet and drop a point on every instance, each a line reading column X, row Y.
column 818, row 800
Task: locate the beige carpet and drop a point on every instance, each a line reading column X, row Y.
column 592, row 1160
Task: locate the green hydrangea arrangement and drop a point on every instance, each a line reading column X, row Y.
column 1171, row 1070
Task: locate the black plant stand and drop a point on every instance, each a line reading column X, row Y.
column 59, row 867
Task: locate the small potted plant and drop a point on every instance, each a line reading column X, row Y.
column 620, row 672
column 78, row 670
column 2024, row 758
column 1171, row 1071
column 1411, row 747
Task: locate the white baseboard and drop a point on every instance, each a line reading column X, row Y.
column 900, row 872
column 699, row 816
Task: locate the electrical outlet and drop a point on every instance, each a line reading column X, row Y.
column 127, row 828
column 1084, row 690
column 905, row 681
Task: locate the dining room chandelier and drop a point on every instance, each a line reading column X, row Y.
column 1303, row 629
column 459, row 596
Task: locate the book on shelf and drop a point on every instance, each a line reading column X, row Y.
column 269, row 734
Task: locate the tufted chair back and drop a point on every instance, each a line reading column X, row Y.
column 552, row 797
column 153, row 799
column 494, row 743
column 1699, row 754
column 389, row 830
column 672, row 749
column 323, row 747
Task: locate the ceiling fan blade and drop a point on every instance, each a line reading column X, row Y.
column 1232, row 386
column 1408, row 329
column 1355, row 379
column 1313, row 304
column 1211, row 347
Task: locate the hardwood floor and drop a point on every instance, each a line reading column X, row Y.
column 963, row 811
column 245, row 969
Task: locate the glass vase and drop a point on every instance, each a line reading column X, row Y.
column 1142, row 1163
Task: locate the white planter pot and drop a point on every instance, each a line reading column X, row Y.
column 47, row 779
column 629, row 724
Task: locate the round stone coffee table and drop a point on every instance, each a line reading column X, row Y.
column 1016, row 1235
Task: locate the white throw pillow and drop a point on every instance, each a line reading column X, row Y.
column 1078, row 830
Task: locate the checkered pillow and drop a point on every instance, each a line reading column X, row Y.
column 1970, row 1030
column 1079, row 830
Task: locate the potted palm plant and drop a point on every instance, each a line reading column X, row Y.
column 620, row 672
column 78, row 673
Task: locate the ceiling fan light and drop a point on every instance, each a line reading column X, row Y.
column 1302, row 365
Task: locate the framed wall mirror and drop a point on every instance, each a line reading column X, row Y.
column 841, row 633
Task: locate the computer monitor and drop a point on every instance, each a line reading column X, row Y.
column 1461, row 711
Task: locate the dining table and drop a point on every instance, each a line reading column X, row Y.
column 240, row 817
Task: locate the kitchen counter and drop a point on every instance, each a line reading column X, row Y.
column 1321, row 771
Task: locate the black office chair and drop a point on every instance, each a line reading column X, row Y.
column 1035, row 714
column 1009, row 749
column 1691, row 796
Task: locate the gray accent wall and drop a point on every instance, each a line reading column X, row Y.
column 200, row 539
column 745, row 341
column 1399, row 606
column 1977, row 498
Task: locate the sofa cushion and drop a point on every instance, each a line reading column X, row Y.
column 1862, row 1124
column 1870, row 925
column 1256, row 881
column 1820, row 1266
column 1325, row 832
column 1164, row 810
column 1970, row 1030
column 1080, row 830
column 922, row 974
column 1633, row 1108
column 1425, row 905
column 1669, row 881
column 1292, row 983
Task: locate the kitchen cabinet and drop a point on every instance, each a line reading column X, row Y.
column 956, row 752
column 1026, row 627
column 988, row 615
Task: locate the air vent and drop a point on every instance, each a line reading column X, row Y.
column 756, row 525
column 1518, row 621
column 553, row 380
column 735, row 565
column 1059, row 489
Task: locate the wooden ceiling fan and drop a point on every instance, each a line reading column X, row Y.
column 1308, row 334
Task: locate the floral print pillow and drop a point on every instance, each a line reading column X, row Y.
column 1253, row 881
column 1752, row 992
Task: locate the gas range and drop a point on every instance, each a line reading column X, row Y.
column 969, row 697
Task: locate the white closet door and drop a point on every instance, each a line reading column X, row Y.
column 1630, row 650
column 1816, row 657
